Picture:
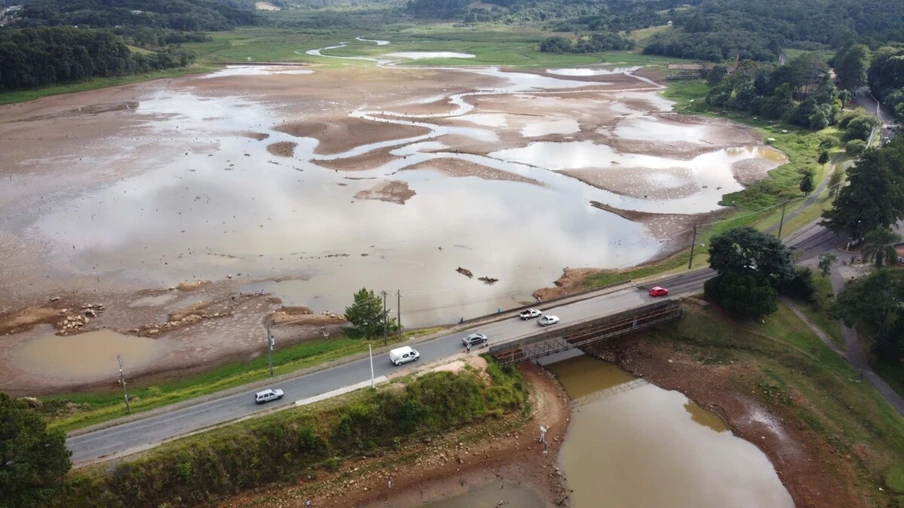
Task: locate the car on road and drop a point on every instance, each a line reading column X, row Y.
column 658, row 291
column 268, row 395
column 530, row 314
column 402, row 355
column 548, row 320
column 474, row 339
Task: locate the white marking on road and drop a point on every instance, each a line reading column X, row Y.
column 340, row 391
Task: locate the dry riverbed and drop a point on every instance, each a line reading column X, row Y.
column 329, row 180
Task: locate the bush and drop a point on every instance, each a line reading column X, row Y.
column 742, row 296
column 800, row 287
column 855, row 147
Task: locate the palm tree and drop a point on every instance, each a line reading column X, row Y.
column 880, row 244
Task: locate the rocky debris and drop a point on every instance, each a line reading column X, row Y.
column 32, row 402
column 488, row 280
column 55, row 299
column 304, row 316
column 178, row 322
column 464, row 271
column 191, row 286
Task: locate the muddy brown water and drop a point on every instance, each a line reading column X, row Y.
column 633, row 444
column 83, row 356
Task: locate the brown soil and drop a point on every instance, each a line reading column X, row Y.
column 460, row 168
column 570, row 282
column 260, row 136
column 342, row 134
column 811, row 471
column 282, row 149
column 633, row 181
column 447, row 465
column 392, row 191
column 303, row 316
column 369, row 160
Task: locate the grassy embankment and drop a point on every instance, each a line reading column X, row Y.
column 297, row 442
column 785, row 366
column 92, row 408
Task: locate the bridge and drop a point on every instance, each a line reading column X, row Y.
column 555, row 339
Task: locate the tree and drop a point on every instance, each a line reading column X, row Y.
column 875, row 300
column 855, row 147
column 879, row 244
column 874, row 196
column 825, row 263
column 748, row 251
column 33, row 460
column 366, row 314
column 851, row 64
column 835, row 181
column 823, row 157
column 808, row 182
column 861, row 127
column 744, row 296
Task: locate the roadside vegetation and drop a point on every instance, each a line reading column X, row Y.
column 76, row 410
column 783, row 365
column 298, row 442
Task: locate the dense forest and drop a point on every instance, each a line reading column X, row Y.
column 44, row 56
column 802, row 92
column 54, row 41
column 182, row 15
column 881, row 68
column 716, row 30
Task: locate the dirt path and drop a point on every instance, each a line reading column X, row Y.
column 446, row 466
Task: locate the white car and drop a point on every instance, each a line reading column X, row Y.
column 548, row 320
column 530, row 314
column 268, row 395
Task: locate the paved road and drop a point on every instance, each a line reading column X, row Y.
column 141, row 433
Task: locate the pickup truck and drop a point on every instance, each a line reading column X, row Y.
column 268, row 395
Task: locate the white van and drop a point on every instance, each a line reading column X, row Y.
column 403, row 355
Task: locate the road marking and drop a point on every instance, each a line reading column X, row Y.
column 340, row 391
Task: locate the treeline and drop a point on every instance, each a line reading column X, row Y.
column 801, row 93
column 588, row 15
column 197, row 15
column 716, row 30
column 37, row 57
column 881, row 68
column 602, row 41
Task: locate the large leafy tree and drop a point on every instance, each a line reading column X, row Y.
column 366, row 314
column 875, row 300
column 744, row 296
column 33, row 460
column 748, row 251
column 879, row 244
column 752, row 267
column 874, row 197
column 851, row 64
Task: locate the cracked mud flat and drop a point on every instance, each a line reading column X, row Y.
column 113, row 195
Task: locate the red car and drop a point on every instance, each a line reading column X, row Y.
column 658, row 291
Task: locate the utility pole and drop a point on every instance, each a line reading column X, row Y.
column 399, row 313
column 122, row 379
column 693, row 244
column 385, row 323
column 270, row 344
column 370, row 350
column 781, row 222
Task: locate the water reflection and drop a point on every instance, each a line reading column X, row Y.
column 641, row 446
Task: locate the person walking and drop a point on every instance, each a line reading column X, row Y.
column 542, row 434
column 307, row 504
column 468, row 348
column 390, row 482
